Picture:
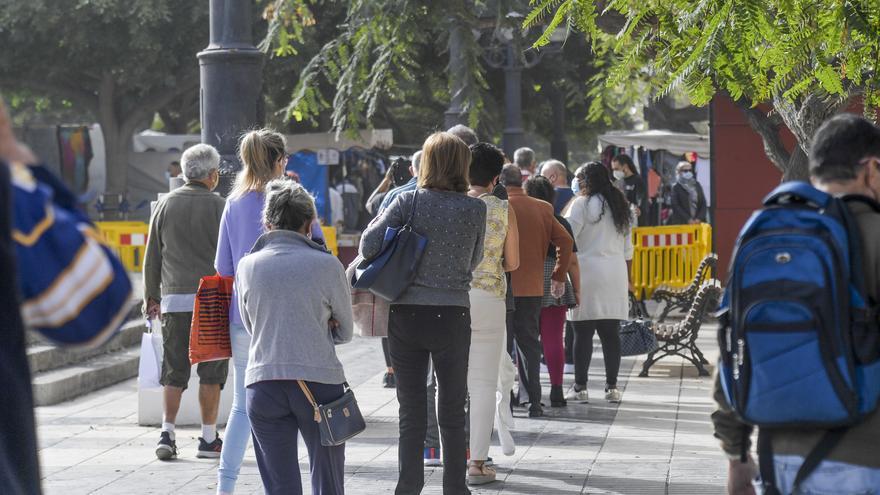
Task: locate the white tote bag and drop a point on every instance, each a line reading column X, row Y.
column 150, row 366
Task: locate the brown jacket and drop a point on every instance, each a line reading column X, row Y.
column 538, row 228
column 859, row 446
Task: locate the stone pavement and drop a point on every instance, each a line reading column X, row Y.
column 657, row 441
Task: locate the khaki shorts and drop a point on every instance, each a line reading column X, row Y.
column 175, row 363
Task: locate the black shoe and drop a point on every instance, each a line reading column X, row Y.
column 557, row 397
column 536, row 411
column 166, row 449
column 388, row 381
column 210, row 450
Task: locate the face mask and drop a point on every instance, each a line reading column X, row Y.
column 167, row 176
column 686, row 175
column 575, row 186
column 619, row 175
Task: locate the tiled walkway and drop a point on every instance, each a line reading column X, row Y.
column 657, row 441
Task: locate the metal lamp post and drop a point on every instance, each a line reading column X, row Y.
column 504, row 51
column 231, row 76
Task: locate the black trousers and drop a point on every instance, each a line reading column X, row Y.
column 524, row 328
column 443, row 334
column 609, row 335
column 278, row 410
column 386, row 352
column 569, row 343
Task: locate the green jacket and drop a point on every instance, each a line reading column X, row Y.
column 860, row 444
column 182, row 241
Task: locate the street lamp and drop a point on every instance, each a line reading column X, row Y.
column 503, row 49
column 231, row 68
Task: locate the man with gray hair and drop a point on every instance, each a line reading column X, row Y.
column 525, row 160
column 180, row 251
column 464, row 133
column 557, row 173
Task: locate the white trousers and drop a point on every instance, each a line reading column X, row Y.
column 488, row 338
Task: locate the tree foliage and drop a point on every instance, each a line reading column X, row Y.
column 807, row 59
column 121, row 61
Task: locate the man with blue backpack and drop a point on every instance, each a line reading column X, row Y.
column 800, row 345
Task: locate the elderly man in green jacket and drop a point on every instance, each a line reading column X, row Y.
column 180, row 251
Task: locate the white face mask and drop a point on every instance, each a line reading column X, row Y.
column 619, row 175
column 686, row 175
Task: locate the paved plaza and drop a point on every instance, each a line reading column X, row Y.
column 657, row 441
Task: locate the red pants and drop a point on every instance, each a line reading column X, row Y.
column 552, row 328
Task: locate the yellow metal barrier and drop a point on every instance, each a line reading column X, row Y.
column 330, row 239
column 668, row 255
column 128, row 239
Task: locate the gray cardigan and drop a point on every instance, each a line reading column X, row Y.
column 288, row 289
column 455, row 225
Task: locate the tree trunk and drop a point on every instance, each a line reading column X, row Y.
column 116, row 145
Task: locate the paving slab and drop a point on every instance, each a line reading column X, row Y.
column 657, row 441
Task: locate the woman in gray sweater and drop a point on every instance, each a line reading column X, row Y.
column 295, row 302
column 431, row 319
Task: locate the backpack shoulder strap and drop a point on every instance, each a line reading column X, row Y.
column 815, row 457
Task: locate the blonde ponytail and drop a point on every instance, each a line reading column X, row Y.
column 258, row 150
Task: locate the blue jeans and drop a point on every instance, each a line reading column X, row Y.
column 830, row 478
column 238, row 428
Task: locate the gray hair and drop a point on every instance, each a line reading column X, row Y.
column 288, row 205
column 198, row 161
column 464, row 133
column 524, row 157
column 416, row 161
column 511, row 175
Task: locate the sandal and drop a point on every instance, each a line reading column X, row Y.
column 480, row 474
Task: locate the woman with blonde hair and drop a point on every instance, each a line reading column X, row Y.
column 431, row 319
column 263, row 159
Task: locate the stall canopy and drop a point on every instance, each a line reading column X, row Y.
column 674, row 142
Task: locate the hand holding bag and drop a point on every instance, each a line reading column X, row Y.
column 391, row 272
column 339, row 420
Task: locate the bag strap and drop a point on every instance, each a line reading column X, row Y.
column 311, row 398
column 829, row 440
column 765, row 462
column 412, row 212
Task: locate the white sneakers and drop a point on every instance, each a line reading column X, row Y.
column 575, row 395
column 612, row 395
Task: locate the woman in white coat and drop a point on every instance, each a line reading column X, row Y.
column 601, row 220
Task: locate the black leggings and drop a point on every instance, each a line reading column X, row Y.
column 609, row 335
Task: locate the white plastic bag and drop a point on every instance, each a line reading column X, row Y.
column 150, row 366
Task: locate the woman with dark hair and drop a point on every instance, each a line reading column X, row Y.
column 601, row 220
column 553, row 309
column 631, row 183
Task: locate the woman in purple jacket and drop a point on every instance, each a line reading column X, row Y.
column 263, row 157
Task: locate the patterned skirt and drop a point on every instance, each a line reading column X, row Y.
column 567, row 300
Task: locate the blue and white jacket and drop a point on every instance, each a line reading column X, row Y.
column 74, row 290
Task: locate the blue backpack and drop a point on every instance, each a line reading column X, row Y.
column 798, row 336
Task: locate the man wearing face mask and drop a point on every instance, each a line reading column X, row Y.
column 688, row 200
column 844, row 162
column 180, row 251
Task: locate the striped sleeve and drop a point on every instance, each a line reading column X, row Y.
column 74, row 290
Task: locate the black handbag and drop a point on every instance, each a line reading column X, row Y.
column 339, row 420
column 391, row 272
column 637, row 335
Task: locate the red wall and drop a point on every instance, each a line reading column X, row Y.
column 741, row 173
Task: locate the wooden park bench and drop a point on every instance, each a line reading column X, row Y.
column 683, row 298
column 680, row 339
